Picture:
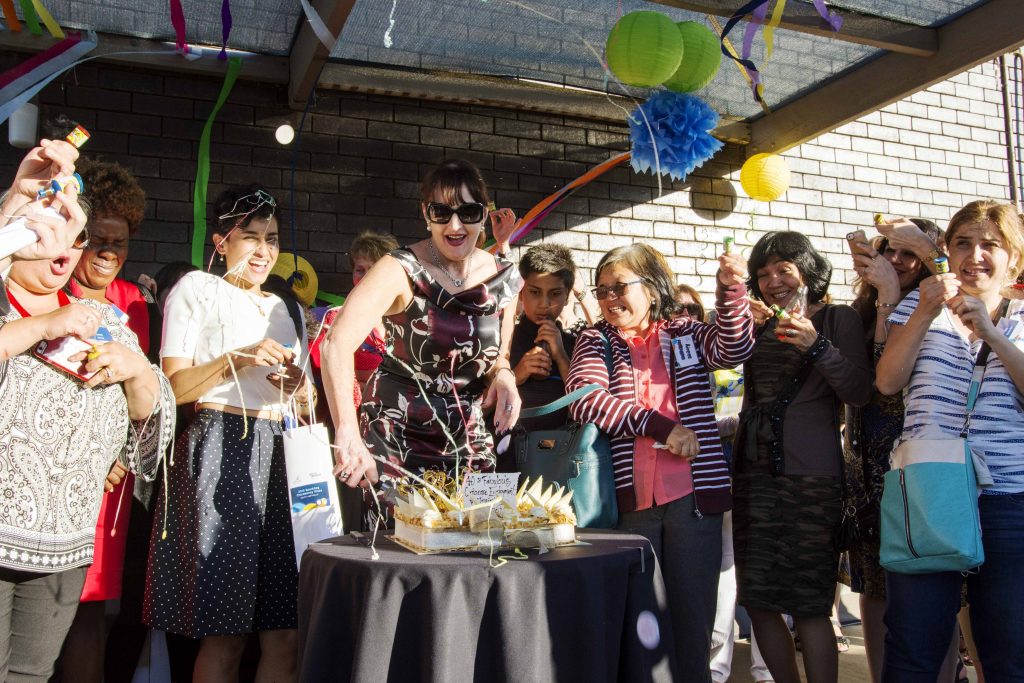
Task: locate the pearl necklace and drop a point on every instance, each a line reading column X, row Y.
column 437, row 262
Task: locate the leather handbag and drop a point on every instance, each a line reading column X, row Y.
column 577, row 456
column 930, row 520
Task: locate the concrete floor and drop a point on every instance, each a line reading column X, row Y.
column 853, row 664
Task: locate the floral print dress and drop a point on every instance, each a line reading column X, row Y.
column 422, row 408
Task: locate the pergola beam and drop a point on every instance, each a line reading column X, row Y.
column 990, row 30
column 491, row 91
column 308, row 55
column 863, row 29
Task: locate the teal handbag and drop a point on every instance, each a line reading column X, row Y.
column 577, row 456
column 930, row 520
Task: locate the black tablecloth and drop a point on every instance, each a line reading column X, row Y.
column 568, row 615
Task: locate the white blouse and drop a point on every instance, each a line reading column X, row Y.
column 205, row 317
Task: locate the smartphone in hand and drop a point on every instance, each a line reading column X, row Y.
column 858, row 243
column 56, row 352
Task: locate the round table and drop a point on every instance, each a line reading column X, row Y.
column 589, row 612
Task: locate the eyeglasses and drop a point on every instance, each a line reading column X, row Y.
column 618, row 289
column 472, row 212
column 250, row 203
column 82, row 241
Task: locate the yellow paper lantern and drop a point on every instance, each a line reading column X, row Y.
column 702, row 55
column 765, row 177
column 644, row 49
column 305, row 284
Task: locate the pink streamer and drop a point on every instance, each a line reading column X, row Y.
column 178, row 20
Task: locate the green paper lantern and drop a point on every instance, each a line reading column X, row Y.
column 644, row 49
column 702, row 55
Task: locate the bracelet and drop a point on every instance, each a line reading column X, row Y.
column 817, row 348
column 580, row 296
column 504, row 367
column 879, row 304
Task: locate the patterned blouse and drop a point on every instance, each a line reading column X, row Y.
column 423, row 405
column 58, row 440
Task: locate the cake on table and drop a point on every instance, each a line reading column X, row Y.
column 430, row 519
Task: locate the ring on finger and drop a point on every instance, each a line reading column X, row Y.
column 108, row 374
column 508, row 407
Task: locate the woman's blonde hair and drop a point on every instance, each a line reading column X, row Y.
column 1007, row 222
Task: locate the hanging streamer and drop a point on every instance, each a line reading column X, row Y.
column 10, row 16
column 833, row 18
column 769, row 30
column 203, row 165
column 332, row 299
column 29, row 12
column 318, row 25
column 225, row 28
column 37, row 79
column 748, row 65
column 51, row 25
column 178, row 21
column 534, row 216
column 14, row 80
column 757, row 18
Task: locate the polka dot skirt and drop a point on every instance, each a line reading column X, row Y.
column 227, row 564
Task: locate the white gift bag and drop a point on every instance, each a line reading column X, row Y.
column 312, row 488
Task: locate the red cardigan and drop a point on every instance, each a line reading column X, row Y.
column 725, row 344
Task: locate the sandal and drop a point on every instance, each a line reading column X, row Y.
column 842, row 643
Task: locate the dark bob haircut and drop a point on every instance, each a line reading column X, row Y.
column 794, row 247
column 241, row 206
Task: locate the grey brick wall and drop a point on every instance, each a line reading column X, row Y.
column 360, row 159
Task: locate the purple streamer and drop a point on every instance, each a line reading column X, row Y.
column 757, row 19
column 834, row 20
column 225, row 28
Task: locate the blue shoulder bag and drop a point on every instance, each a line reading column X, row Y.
column 577, row 456
column 930, row 519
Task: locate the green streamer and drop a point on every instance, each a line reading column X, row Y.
column 31, row 18
column 332, row 299
column 203, row 166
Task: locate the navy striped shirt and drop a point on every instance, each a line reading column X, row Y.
column 936, row 395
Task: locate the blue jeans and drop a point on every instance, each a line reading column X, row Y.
column 921, row 611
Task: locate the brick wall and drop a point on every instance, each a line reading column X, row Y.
column 361, row 157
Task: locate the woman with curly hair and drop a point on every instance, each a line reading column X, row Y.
column 118, row 207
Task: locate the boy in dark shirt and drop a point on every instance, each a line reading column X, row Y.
column 541, row 349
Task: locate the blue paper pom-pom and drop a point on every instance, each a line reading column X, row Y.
column 681, row 126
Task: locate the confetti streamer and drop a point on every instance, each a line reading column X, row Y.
column 534, row 216
column 10, row 16
column 51, row 25
column 225, row 28
column 318, row 26
column 29, row 12
column 769, row 30
column 388, row 42
column 203, row 166
column 24, row 87
column 178, row 21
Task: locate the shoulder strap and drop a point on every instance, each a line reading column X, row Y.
column 295, row 313
column 978, row 375
column 564, row 402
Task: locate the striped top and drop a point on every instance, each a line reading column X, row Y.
column 690, row 349
column 936, row 395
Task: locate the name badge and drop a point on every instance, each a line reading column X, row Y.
column 685, row 351
column 1012, row 330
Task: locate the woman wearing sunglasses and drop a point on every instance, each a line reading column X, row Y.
column 66, row 419
column 671, row 479
column 448, row 311
column 222, row 556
